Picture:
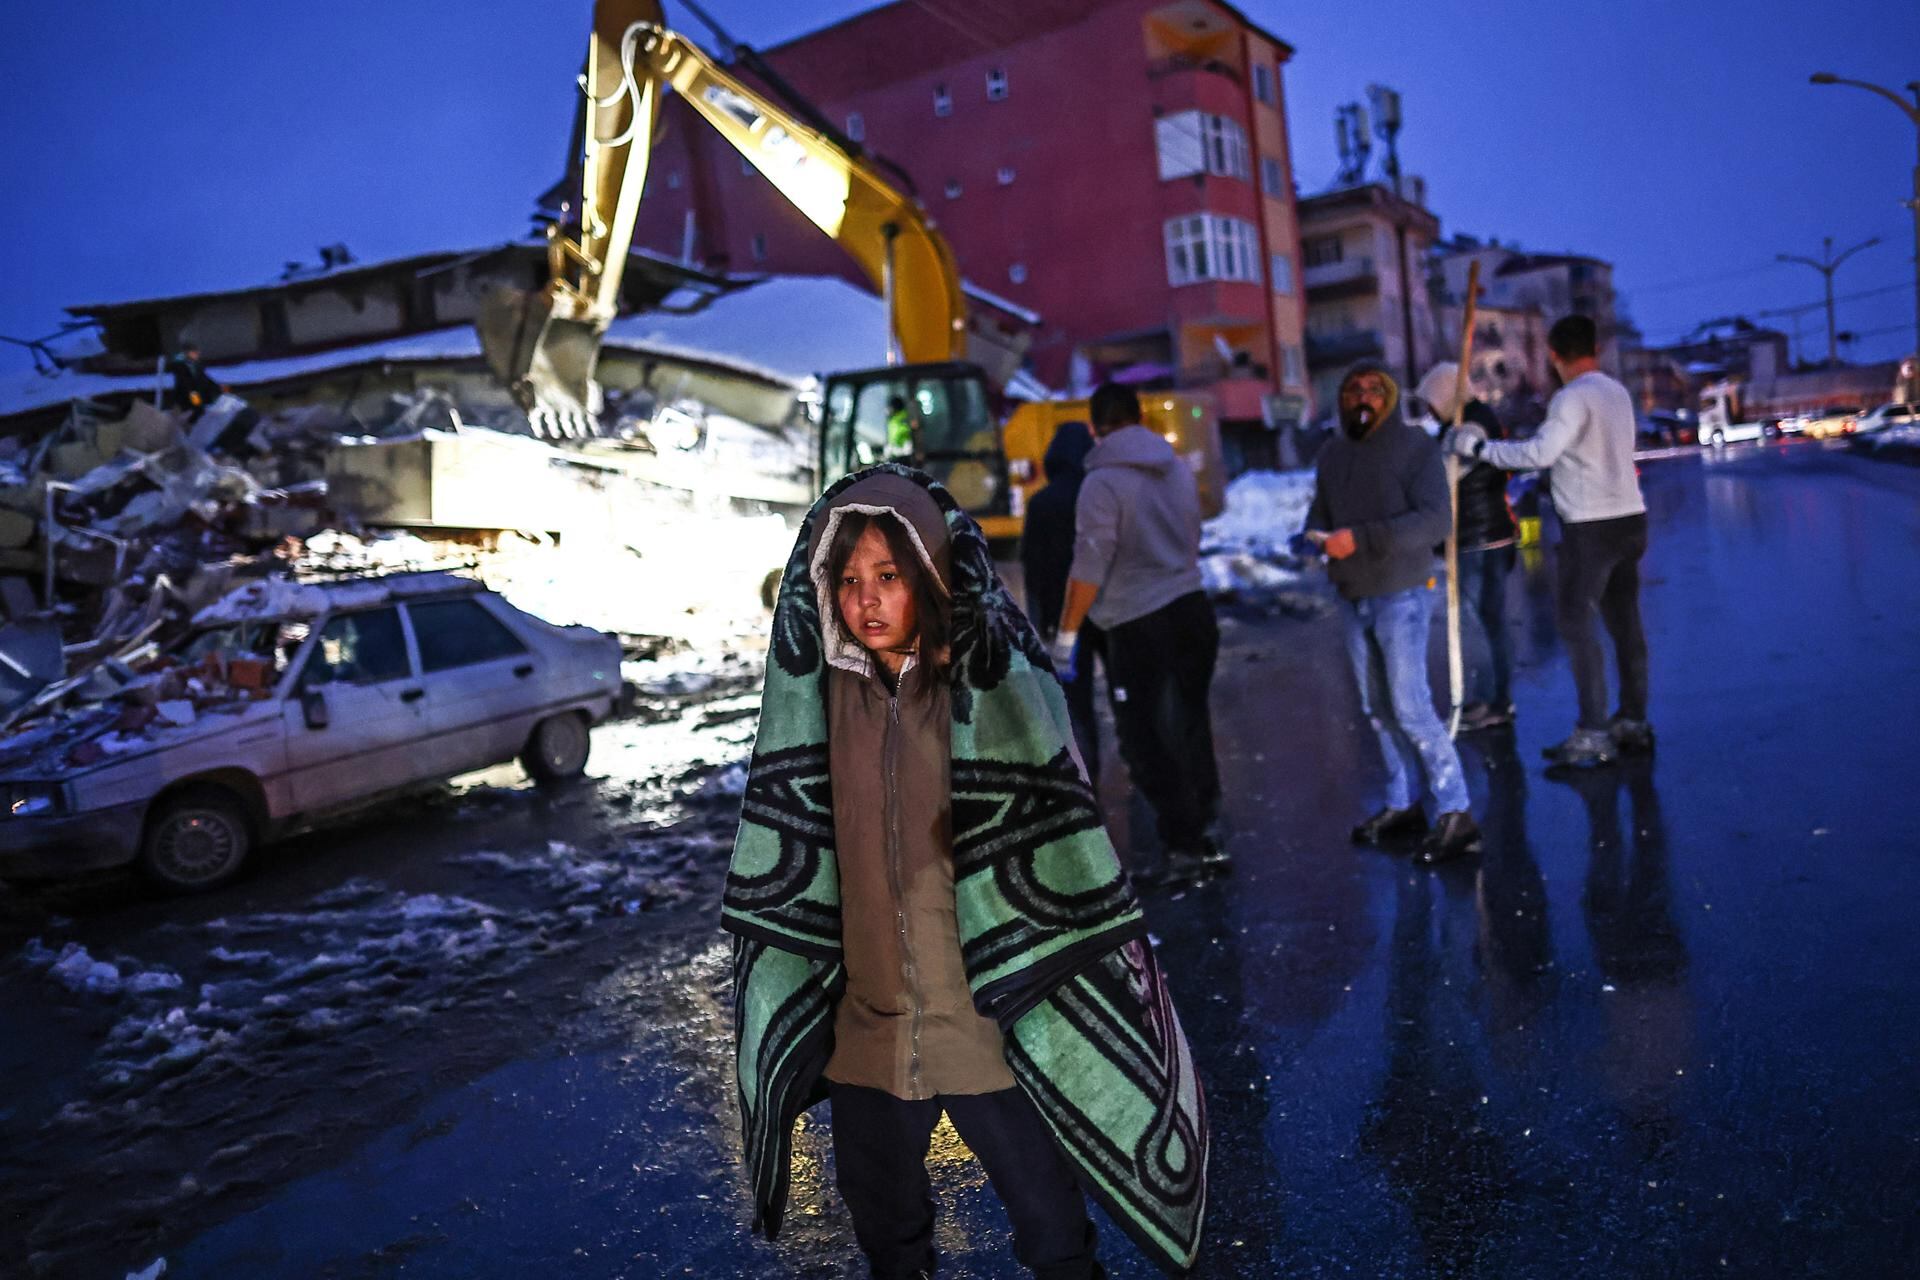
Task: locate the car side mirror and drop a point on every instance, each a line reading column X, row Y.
column 313, row 705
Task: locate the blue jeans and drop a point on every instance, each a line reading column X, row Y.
column 1483, row 597
column 1387, row 645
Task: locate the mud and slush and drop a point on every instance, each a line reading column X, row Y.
column 1664, row 1026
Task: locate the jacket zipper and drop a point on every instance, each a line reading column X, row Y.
column 909, row 971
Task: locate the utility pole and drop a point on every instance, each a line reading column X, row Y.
column 1912, row 112
column 1826, row 265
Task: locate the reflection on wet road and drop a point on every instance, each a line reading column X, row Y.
column 1665, row 1026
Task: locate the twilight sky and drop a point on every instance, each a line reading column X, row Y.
column 161, row 146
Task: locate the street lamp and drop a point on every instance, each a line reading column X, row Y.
column 1826, row 265
column 1912, row 111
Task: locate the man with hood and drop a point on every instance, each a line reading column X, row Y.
column 1380, row 506
column 928, row 916
column 1046, row 554
column 1136, row 574
column 1487, row 534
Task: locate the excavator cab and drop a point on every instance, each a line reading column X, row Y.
column 955, row 437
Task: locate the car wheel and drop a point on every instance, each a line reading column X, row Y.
column 1716, row 439
column 197, row 839
column 557, row 749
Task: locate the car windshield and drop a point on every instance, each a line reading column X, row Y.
column 274, row 641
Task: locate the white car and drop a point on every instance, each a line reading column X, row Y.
column 1887, row 415
column 289, row 702
column 1716, row 434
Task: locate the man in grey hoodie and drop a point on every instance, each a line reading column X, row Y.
column 1136, row 573
column 1380, row 506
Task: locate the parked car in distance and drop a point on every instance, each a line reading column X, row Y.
column 1660, row 427
column 1883, row 416
column 305, row 700
column 1826, row 423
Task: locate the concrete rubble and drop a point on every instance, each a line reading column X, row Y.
column 121, row 540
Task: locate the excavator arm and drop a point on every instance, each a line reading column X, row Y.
column 544, row 345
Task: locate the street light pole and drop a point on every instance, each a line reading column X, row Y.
column 1912, row 112
column 1826, row 265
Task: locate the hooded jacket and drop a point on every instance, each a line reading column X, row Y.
column 1136, row 526
column 1051, row 940
column 905, row 1023
column 1046, row 541
column 1390, row 488
column 1485, row 519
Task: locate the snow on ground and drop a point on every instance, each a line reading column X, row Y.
column 1245, row 553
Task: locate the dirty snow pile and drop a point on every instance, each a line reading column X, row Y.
column 1245, row 552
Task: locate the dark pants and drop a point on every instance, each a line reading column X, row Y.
column 1080, row 708
column 1483, row 595
column 1600, row 570
column 880, row 1154
column 1161, row 668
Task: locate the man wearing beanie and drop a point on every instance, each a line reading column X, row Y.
column 1380, row 506
column 1484, row 525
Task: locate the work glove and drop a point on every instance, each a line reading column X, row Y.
column 1065, row 652
column 1465, row 441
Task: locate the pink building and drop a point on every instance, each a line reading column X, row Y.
column 1118, row 166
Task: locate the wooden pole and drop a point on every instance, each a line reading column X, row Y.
column 1456, row 663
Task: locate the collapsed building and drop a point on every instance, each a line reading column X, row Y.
column 362, row 431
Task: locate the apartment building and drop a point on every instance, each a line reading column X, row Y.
column 1119, row 167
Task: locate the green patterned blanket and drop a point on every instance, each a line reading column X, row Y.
column 1054, row 944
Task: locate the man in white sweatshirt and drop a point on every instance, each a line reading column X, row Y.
column 1587, row 444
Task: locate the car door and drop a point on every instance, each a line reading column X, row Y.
column 376, row 728
column 482, row 682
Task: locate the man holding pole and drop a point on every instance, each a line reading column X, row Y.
column 1587, row 441
column 1380, row 506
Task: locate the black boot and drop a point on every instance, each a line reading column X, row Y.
column 1391, row 826
column 1454, row 835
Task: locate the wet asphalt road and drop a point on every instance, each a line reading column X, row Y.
column 1665, row 1026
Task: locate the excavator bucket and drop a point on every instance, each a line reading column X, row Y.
column 545, row 359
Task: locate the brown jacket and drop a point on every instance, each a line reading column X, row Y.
column 906, row 1022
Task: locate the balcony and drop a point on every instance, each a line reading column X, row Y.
column 1344, row 279
column 1179, row 62
column 1325, row 350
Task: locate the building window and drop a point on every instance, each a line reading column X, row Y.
column 1322, row 251
column 1263, row 82
column 1017, row 273
column 1192, row 142
column 1006, row 175
column 760, row 247
column 1273, row 179
column 953, row 190
column 942, row 101
column 1293, row 365
column 1211, row 246
column 1280, row 268
column 856, row 127
column 996, row 84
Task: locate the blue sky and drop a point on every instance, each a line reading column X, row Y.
column 152, row 147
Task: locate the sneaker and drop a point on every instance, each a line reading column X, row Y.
column 1485, row 715
column 1391, row 826
column 1188, row 866
column 1632, row 737
column 1454, row 835
column 1585, row 749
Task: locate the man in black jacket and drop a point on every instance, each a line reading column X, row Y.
column 1379, row 509
column 1046, row 553
column 194, row 389
column 1487, row 552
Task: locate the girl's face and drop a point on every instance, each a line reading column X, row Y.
column 876, row 602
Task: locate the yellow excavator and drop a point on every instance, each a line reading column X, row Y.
column 544, row 345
